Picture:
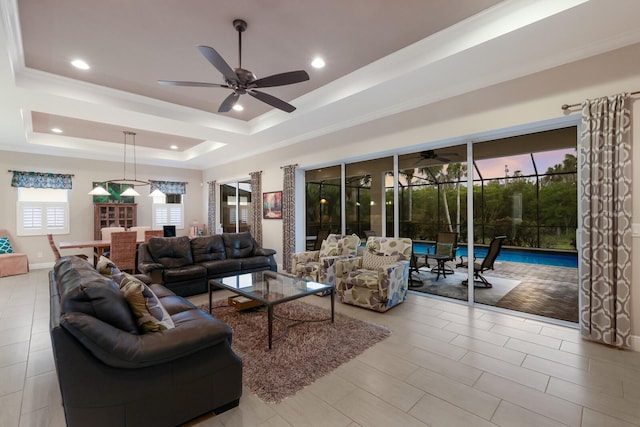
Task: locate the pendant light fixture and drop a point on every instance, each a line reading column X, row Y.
column 130, row 183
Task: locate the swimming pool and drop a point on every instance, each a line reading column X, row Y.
column 509, row 255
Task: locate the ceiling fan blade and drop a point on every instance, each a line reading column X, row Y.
column 228, row 103
column 272, row 100
column 195, row 84
column 282, row 79
column 217, row 61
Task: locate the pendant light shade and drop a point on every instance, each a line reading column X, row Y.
column 130, row 192
column 99, row 191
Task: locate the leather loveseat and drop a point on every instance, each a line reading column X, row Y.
column 186, row 265
column 112, row 374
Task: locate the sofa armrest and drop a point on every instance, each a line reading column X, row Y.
column 117, row 348
column 264, row 252
column 148, row 267
column 345, row 265
column 393, row 278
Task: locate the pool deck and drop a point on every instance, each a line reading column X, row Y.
column 541, row 295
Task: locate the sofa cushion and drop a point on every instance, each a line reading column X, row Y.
column 254, row 262
column 171, row 252
column 238, row 245
column 146, row 306
column 5, row 246
column 216, row 268
column 188, row 273
column 82, row 289
column 208, row 248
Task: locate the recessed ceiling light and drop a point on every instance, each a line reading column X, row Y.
column 56, row 130
column 238, row 107
column 174, row 147
column 80, row 64
column 317, row 62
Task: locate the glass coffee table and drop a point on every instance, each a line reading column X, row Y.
column 270, row 289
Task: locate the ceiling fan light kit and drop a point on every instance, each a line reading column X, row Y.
column 242, row 81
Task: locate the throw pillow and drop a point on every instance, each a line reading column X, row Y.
column 146, row 306
column 107, row 268
column 444, row 249
column 373, row 261
column 5, row 246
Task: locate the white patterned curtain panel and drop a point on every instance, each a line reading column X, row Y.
column 605, row 194
column 288, row 215
column 211, row 213
column 255, row 222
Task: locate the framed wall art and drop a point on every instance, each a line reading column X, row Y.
column 272, row 205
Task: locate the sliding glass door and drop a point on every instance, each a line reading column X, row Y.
column 235, row 206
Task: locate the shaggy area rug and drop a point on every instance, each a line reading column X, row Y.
column 301, row 353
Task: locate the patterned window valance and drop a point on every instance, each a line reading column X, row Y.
column 41, row 180
column 169, row 187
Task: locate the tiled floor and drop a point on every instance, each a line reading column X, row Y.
column 444, row 365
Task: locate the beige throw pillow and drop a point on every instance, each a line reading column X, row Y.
column 372, row 260
column 147, row 309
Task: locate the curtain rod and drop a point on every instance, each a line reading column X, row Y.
column 567, row 106
column 70, row 174
column 295, row 165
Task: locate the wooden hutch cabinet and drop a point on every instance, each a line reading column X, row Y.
column 113, row 215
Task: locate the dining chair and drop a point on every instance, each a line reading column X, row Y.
column 123, row 250
column 148, row 234
column 140, row 229
column 105, row 233
column 56, row 252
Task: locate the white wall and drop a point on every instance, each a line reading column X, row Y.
column 80, row 203
column 474, row 116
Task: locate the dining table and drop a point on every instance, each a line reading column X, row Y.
column 99, row 246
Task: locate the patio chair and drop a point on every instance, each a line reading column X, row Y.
column 444, row 251
column 486, row 264
column 321, row 236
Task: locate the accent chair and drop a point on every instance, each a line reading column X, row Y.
column 377, row 280
column 318, row 266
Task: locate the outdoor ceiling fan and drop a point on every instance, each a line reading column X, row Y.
column 242, row 81
column 432, row 155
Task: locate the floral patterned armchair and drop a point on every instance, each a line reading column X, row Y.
column 378, row 279
column 319, row 265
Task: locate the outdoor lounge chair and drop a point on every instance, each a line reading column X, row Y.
column 486, row 264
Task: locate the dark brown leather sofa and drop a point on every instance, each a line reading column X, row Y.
column 112, row 375
column 186, row 265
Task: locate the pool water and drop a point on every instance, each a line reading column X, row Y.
column 529, row 257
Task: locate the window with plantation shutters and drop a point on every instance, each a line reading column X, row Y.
column 168, row 214
column 39, row 218
column 41, row 211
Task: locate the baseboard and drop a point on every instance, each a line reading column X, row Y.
column 41, row 266
column 635, row 342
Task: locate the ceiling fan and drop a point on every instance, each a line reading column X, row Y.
column 432, row 155
column 242, row 81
